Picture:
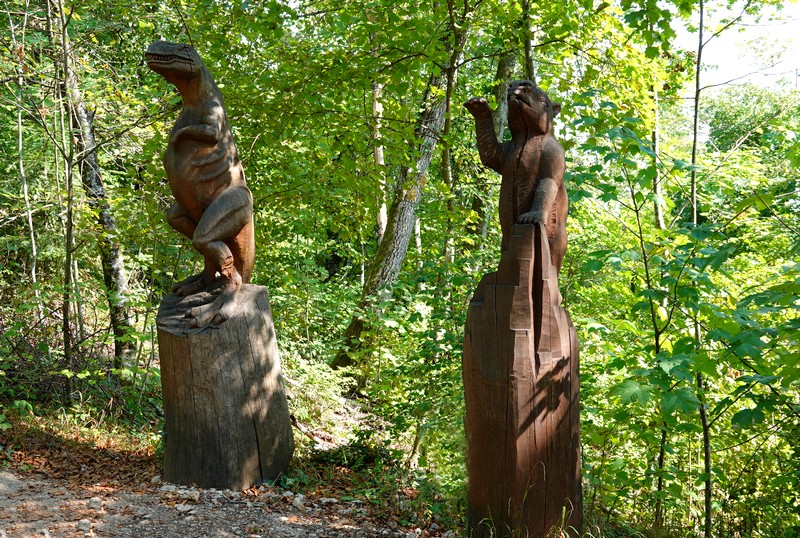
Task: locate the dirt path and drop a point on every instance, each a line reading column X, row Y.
column 40, row 507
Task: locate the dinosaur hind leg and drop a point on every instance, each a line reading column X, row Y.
column 181, row 221
column 223, row 220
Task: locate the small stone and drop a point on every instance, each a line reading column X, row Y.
column 95, row 503
column 167, row 487
column 434, row 527
column 328, row 500
column 189, row 495
column 299, row 501
column 156, row 479
column 288, row 494
column 183, row 508
column 84, row 525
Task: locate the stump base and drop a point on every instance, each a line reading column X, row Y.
column 520, row 367
column 227, row 418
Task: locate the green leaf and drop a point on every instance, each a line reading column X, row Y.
column 682, row 399
column 747, row 418
column 630, row 391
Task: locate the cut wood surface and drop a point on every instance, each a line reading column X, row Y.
column 227, row 418
column 520, row 367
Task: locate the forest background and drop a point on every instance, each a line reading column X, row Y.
column 375, row 221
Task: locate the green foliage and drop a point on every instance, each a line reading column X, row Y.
column 655, row 305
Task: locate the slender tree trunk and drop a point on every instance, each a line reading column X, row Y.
column 657, row 191
column 502, row 78
column 447, row 169
column 659, row 222
column 659, row 510
column 402, row 218
column 696, row 118
column 527, row 40
column 111, row 258
column 380, row 162
column 68, row 154
column 700, row 382
column 19, row 51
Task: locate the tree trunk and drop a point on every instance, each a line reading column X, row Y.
column 392, row 249
column 708, row 487
column 380, row 162
column 527, row 40
column 19, row 52
column 658, row 207
column 111, row 258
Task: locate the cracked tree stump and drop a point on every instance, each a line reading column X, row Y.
column 227, row 418
column 520, row 368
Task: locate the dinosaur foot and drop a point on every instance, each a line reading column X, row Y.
column 222, row 308
column 192, row 285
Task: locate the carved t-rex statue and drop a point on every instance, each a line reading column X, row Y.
column 213, row 206
column 531, row 163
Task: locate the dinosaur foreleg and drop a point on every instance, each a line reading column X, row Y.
column 223, row 220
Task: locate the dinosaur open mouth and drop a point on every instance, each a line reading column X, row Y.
column 165, row 58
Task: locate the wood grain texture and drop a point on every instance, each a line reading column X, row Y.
column 521, row 386
column 227, row 418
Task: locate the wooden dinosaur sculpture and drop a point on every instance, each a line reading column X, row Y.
column 531, row 163
column 213, row 206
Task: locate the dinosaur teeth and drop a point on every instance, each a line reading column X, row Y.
column 150, row 56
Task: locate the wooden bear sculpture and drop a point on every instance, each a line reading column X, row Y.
column 531, row 163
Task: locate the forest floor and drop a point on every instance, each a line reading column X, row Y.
column 57, row 487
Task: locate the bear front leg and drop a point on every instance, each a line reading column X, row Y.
column 489, row 149
column 543, row 200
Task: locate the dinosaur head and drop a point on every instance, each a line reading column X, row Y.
column 174, row 61
column 530, row 109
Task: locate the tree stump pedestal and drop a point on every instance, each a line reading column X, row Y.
column 227, row 418
column 520, row 368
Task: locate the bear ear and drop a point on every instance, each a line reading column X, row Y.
column 556, row 108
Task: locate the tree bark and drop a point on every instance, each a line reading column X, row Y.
column 527, row 40
column 657, row 191
column 19, row 52
column 380, row 162
column 708, row 486
column 407, row 194
column 392, row 249
column 111, row 257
